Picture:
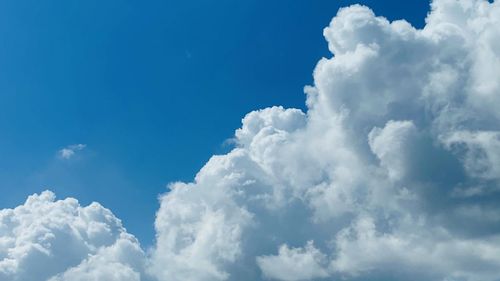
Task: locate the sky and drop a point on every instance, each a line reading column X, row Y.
column 242, row 141
column 152, row 89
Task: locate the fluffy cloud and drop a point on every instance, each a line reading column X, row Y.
column 414, row 251
column 390, row 145
column 61, row 240
column 391, row 174
column 294, row 264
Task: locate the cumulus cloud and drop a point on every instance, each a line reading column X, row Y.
column 56, row 240
column 70, row 150
column 391, row 174
column 294, row 264
column 390, row 144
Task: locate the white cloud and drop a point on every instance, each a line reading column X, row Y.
column 294, row 264
column 370, row 172
column 122, row 261
column 392, row 172
column 45, row 237
column 390, row 145
column 415, row 250
column 70, row 150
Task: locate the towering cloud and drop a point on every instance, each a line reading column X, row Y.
column 391, row 174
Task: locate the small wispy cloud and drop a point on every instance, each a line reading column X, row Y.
column 70, row 150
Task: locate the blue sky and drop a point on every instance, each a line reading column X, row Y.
column 389, row 171
column 153, row 89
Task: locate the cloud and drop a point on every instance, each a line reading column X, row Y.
column 391, row 174
column 60, row 240
column 390, row 144
column 369, row 183
column 294, row 264
column 69, row 151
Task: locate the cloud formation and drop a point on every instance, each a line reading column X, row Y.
column 391, row 174
column 70, row 150
column 59, row 240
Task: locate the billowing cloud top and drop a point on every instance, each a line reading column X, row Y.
column 391, row 174
column 45, row 239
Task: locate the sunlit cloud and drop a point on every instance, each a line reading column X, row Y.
column 392, row 173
